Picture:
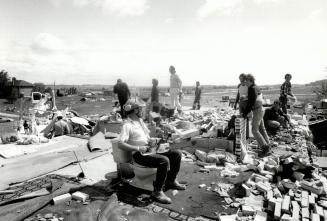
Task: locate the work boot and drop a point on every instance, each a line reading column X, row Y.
column 264, row 150
column 161, row 197
column 174, row 185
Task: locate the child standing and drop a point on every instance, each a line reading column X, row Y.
column 196, row 103
column 242, row 94
column 285, row 90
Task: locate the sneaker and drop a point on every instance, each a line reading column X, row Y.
column 175, row 186
column 161, row 197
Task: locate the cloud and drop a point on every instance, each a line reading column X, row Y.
column 47, row 44
column 121, row 8
column 226, row 7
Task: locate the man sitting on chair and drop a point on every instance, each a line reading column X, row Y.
column 135, row 137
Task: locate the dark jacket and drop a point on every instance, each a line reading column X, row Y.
column 155, row 94
column 253, row 92
column 272, row 114
column 122, row 91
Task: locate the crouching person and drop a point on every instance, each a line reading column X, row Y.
column 135, row 137
column 274, row 118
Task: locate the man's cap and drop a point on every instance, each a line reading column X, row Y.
column 133, row 104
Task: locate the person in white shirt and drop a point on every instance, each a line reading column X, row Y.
column 175, row 89
column 135, row 137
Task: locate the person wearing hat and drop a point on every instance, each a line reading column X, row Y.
column 175, row 89
column 274, row 117
column 135, row 137
column 123, row 94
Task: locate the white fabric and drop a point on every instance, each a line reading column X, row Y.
column 135, row 133
column 175, row 81
column 243, row 91
column 174, row 98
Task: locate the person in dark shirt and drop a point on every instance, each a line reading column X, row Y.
column 155, row 105
column 198, row 91
column 285, row 90
column 123, row 94
column 274, row 117
column 254, row 104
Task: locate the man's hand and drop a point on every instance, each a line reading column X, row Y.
column 143, row 149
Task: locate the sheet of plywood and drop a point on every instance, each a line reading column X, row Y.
column 35, row 166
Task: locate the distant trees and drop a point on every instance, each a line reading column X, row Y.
column 4, row 80
column 39, row 87
column 321, row 90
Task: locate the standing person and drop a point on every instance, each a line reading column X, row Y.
column 175, row 89
column 254, row 104
column 196, row 103
column 242, row 94
column 155, row 105
column 61, row 126
column 123, row 94
column 134, row 137
column 285, row 90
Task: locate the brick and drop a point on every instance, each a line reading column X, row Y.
column 315, row 217
column 311, row 187
column 286, row 217
column 80, row 196
column 271, row 204
column 62, row 198
column 270, row 194
column 298, row 176
column 248, row 210
column 278, row 209
column 319, row 210
column 305, row 202
column 295, row 210
column 312, row 200
column 288, row 160
column 260, row 216
column 325, row 215
column 305, row 212
column 304, row 194
column 286, row 204
column 262, row 187
column 247, row 190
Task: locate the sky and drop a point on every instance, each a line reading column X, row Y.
column 211, row 41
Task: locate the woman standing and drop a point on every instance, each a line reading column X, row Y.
column 254, row 104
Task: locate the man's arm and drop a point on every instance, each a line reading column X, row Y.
column 281, row 113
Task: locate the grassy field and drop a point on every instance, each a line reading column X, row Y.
column 210, row 98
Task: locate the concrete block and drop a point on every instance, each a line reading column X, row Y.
column 80, row 196
column 305, row 212
column 315, row 217
column 247, row 210
column 304, row 202
column 286, row 217
column 260, row 216
column 295, row 210
column 278, row 209
column 62, row 198
column 271, row 204
column 319, row 210
column 201, row 155
column 312, row 200
column 286, row 204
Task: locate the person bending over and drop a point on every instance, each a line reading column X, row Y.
column 274, row 117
